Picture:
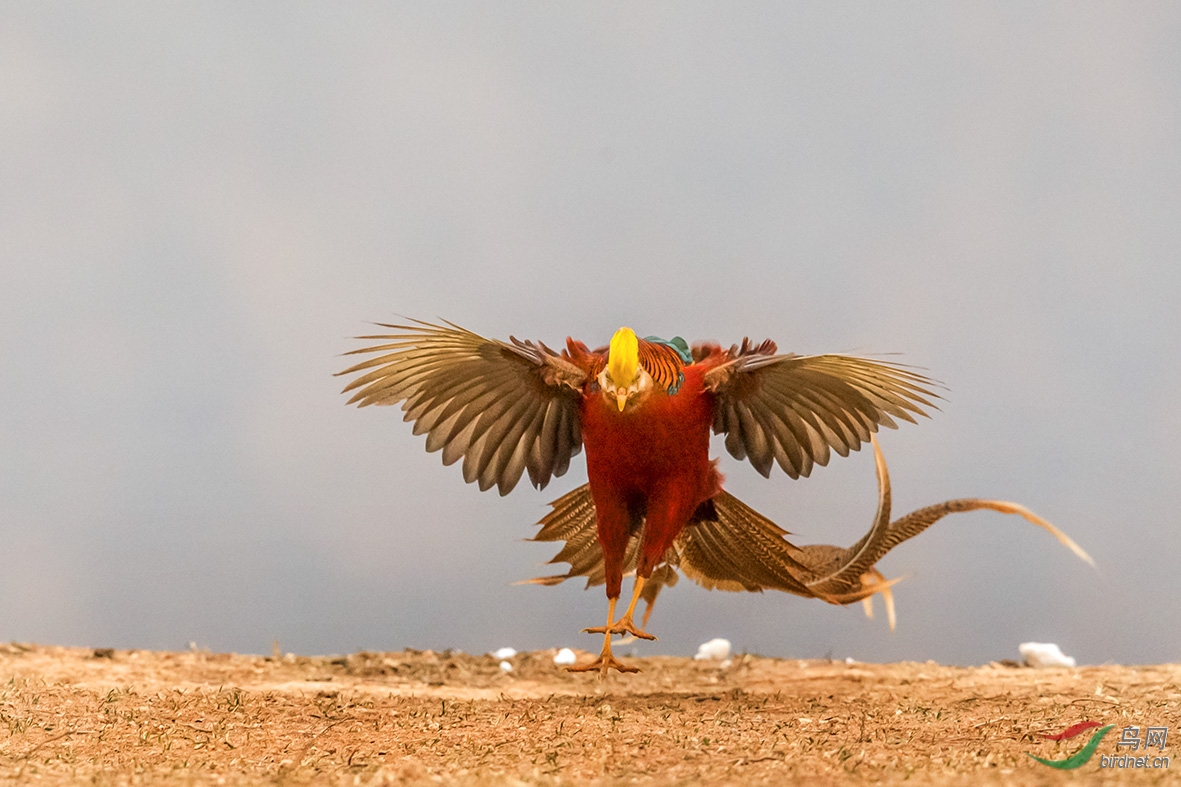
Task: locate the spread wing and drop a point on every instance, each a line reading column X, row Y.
column 504, row 407
column 792, row 409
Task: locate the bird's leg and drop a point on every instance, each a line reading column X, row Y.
column 614, row 527
column 657, row 581
column 605, row 662
column 625, row 625
column 647, row 614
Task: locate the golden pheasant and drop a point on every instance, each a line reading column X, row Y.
column 643, row 409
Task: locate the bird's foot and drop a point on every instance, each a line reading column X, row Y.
column 625, row 626
column 622, row 626
column 604, row 663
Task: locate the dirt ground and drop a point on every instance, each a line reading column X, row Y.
column 70, row 715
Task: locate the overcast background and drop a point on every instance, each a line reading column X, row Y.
column 200, row 205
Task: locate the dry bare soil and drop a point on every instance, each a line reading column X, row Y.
column 138, row 717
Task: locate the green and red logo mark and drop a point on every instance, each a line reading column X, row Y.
column 1082, row 755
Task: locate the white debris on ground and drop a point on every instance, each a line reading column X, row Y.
column 1044, row 654
column 503, row 653
column 564, row 657
column 505, row 666
column 714, row 650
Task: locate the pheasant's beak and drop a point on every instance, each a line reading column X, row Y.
column 621, row 399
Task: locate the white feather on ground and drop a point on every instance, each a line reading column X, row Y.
column 1044, row 654
column 715, row 650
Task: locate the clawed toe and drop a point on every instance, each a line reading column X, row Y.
column 622, row 626
column 603, row 664
column 625, row 626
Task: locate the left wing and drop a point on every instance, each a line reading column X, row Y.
column 791, row 409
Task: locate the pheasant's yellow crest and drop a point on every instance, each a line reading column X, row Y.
column 623, row 357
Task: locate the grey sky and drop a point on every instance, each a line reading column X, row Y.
column 200, row 205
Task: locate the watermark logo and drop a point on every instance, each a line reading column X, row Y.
column 1083, row 755
column 1129, row 737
